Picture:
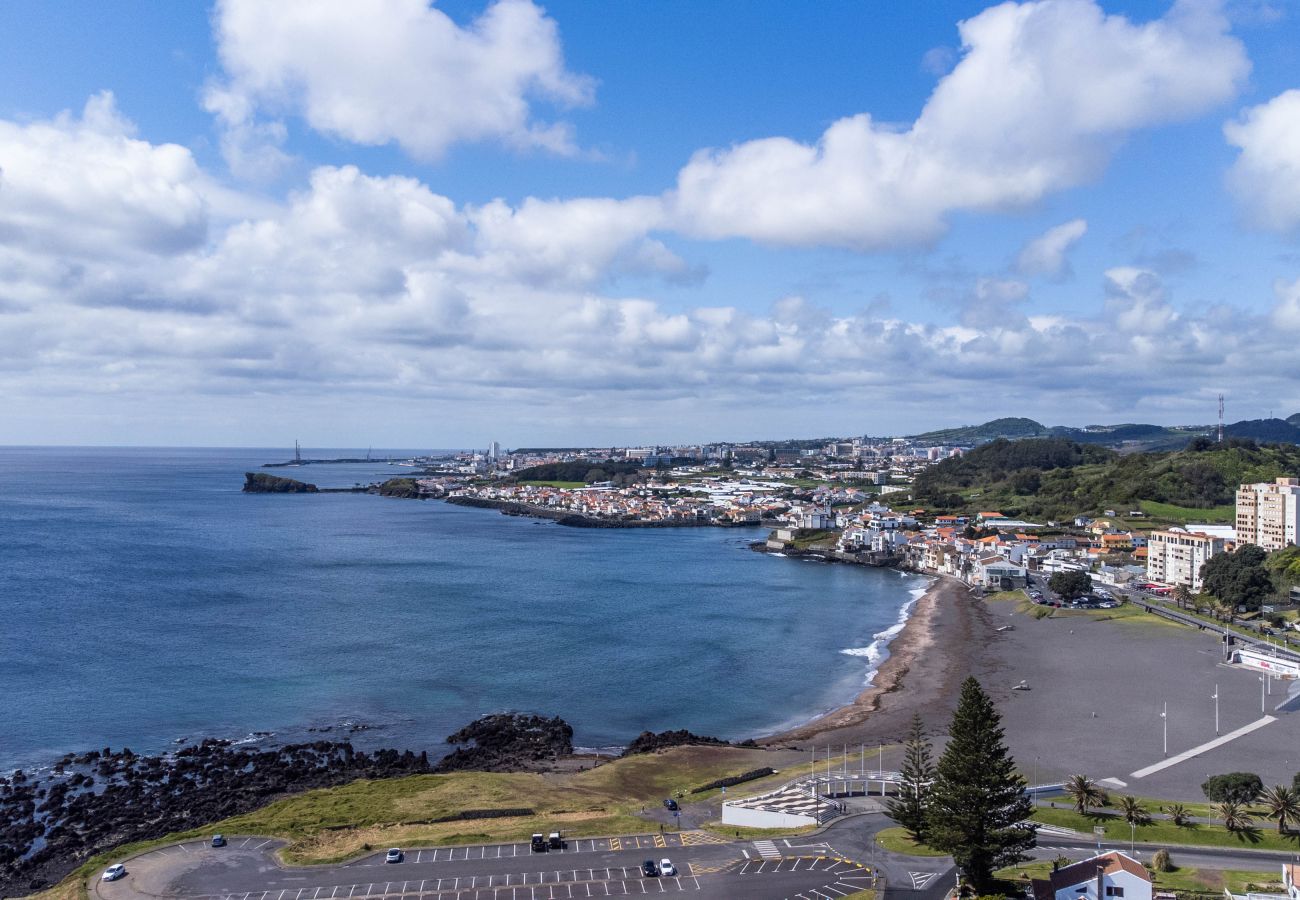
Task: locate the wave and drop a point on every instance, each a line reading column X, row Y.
column 877, row 651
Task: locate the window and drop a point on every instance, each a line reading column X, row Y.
column 1114, row 891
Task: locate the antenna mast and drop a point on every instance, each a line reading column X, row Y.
column 297, row 451
column 1220, row 418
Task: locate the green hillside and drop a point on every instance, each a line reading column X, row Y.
column 1294, row 420
column 1057, row 479
column 998, row 428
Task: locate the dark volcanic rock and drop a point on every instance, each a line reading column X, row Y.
column 508, row 742
column 261, row 483
column 648, row 741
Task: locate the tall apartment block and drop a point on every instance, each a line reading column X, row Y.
column 1268, row 515
column 1176, row 556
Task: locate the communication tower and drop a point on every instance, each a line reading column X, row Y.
column 1220, row 418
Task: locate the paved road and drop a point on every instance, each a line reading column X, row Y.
column 708, row 868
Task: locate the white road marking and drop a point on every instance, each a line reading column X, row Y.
column 1203, row 748
column 920, row 879
column 245, row 843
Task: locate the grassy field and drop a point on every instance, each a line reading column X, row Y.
column 897, row 840
column 334, row 824
column 1181, row 515
column 1166, row 833
column 815, row 539
column 556, row 484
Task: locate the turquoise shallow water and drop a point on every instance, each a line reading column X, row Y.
column 144, row 598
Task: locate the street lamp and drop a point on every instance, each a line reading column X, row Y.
column 1262, row 702
column 1215, row 698
column 1164, row 718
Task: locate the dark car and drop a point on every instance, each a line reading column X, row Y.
column 218, row 841
column 649, row 869
column 671, row 804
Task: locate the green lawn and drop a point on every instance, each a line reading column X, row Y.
column 897, row 840
column 1163, row 832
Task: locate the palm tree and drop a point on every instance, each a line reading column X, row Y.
column 1085, row 793
column 1131, row 809
column 1235, row 816
column 1177, row 813
column 1182, row 596
column 1282, row 803
column 1225, row 610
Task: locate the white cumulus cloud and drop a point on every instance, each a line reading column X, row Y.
column 1043, row 94
column 390, row 71
column 1047, row 253
column 1266, row 176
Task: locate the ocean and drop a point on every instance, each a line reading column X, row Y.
column 144, row 600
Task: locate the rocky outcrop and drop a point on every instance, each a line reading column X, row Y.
column 508, row 742
column 649, row 742
column 407, row 488
column 262, row 483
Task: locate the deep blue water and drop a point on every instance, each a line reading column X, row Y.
column 144, row 598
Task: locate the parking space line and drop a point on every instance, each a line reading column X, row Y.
column 245, row 842
column 263, row 844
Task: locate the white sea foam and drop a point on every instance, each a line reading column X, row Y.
column 877, row 651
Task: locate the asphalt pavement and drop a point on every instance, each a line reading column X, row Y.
column 838, row 860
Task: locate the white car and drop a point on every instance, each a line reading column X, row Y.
column 113, row 873
column 666, row 868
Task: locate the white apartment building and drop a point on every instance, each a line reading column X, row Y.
column 1268, row 515
column 1176, row 556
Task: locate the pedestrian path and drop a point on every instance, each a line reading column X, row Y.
column 767, row 849
column 1203, row 748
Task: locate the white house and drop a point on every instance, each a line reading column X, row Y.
column 1110, row 876
column 997, row 573
column 1291, row 880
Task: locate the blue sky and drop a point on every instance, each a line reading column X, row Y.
column 436, row 225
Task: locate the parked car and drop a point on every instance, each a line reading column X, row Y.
column 114, row 872
column 218, row 840
column 539, row 843
column 666, row 868
column 556, row 841
column 671, row 804
column 649, row 869
column 394, row 855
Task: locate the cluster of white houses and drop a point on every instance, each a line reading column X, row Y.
column 1268, row 515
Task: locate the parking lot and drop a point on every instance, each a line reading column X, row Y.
column 706, row 865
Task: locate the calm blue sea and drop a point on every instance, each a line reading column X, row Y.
column 143, row 598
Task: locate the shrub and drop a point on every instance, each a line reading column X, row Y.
column 735, row 779
column 1160, row 861
column 1233, row 787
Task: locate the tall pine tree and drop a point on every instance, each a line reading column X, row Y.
column 908, row 809
column 978, row 800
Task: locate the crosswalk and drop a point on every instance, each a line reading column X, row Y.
column 767, row 849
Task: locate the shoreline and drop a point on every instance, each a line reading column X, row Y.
column 910, row 676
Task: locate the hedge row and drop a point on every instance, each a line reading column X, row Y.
column 734, row 779
column 485, row 814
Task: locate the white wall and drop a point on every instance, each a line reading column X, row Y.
column 760, row 818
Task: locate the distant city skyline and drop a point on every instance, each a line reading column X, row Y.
column 580, row 224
